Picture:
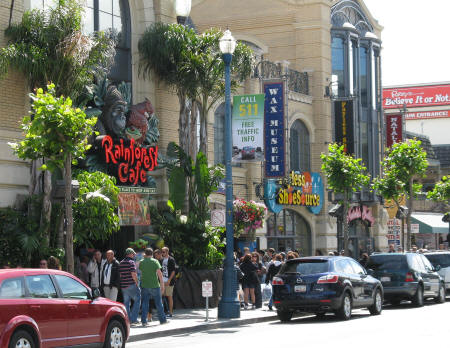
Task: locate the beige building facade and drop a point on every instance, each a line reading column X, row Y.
column 293, row 42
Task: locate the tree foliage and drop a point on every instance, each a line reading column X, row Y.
column 95, row 209
column 441, row 191
column 58, row 132
column 50, row 46
column 192, row 65
column 345, row 174
column 402, row 163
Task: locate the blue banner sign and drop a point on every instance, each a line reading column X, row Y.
column 274, row 129
column 298, row 189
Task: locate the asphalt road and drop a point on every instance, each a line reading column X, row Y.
column 400, row 326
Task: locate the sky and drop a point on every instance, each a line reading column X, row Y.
column 415, row 40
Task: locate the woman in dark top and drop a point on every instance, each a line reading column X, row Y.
column 273, row 270
column 249, row 280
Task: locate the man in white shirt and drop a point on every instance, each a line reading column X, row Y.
column 95, row 270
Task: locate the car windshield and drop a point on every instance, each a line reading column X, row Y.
column 387, row 262
column 439, row 259
column 306, row 267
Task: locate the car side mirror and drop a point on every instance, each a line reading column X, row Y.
column 437, row 268
column 96, row 293
column 370, row 272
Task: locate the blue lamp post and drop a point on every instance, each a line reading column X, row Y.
column 229, row 304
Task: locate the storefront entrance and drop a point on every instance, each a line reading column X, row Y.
column 287, row 231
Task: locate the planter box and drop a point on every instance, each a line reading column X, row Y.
column 188, row 288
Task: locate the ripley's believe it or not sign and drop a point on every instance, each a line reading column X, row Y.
column 299, row 189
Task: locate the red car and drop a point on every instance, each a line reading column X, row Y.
column 42, row 308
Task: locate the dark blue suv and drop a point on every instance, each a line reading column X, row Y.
column 324, row 284
column 407, row 276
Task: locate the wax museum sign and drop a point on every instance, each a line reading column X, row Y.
column 298, row 189
column 128, row 161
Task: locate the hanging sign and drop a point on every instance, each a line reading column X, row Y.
column 394, row 129
column 343, row 112
column 127, row 161
column 274, row 137
column 248, row 127
column 298, row 189
column 134, row 209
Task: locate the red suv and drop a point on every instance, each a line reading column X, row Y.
column 42, row 308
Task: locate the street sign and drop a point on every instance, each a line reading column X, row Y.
column 218, row 218
column 207, row 289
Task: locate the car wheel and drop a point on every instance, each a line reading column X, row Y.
column 418, row 297
column 21, row 339
column 377, row 306
column 284, row 315
column 345, row 311
column 115, row 335
column 441, row 297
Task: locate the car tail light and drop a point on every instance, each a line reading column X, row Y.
column 277, row 281
column 409, row 277
column 330, row 278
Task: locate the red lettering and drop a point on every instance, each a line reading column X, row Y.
column 123, row 171
column 107, row 145
column 143, row 176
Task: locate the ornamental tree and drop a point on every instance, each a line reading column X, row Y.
column 57, row 131
column 345, row 175
column 441, row 193
column 403, row 163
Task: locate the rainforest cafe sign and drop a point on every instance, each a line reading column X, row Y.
column 131, row 162
column 299, row 189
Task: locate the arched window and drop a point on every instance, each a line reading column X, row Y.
column 299, row 147
column 219, row 135
column 287, row 231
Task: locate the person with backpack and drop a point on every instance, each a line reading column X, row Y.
column 168, row 270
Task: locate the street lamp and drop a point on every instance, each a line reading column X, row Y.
column 229, row 305
column 182, row 9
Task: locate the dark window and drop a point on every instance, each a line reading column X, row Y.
column 442, row 260
column 337, row 62
column 219, row 135
column 71, row 288
column 306, row 267
column 299, row 147
column 363, row 74
column 387, row 262
column 12, row 288
column 40, row 286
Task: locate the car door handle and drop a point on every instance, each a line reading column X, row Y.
column 72, row 306
column 35, row 307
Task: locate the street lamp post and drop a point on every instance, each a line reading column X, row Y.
column 229, row 305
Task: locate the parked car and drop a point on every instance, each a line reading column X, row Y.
column 42, row 308
column 324, row 284
column 441, row 262
column 406, row 276
column 248, row 152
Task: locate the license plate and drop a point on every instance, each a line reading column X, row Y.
column 300, row 288
column 385, row 279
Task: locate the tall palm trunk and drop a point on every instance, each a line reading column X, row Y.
column 193, row 145
column 204, row 126
column 408, row 216
column 69, row 218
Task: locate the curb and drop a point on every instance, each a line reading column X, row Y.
column 224, row 323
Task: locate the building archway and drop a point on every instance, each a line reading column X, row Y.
column 288, row 230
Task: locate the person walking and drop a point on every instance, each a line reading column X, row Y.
column 94, row 269
column 152, row 286
column 168, row 271
column 43, row 264
column 274, row 268
column 130, row 285
column 249, row 280
column 111, row 276
column 53, row 263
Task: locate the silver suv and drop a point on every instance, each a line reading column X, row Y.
column 441, row 262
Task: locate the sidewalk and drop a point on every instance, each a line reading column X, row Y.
column 193, row 320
